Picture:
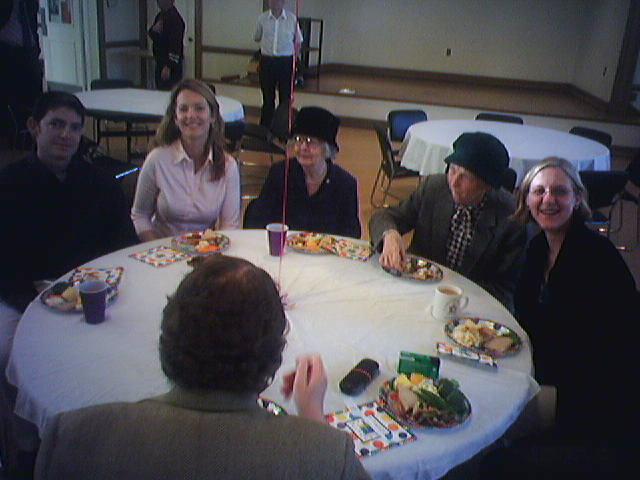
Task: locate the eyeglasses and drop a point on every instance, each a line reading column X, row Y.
column 558, row 192
column 59, row 125
column 303, row 140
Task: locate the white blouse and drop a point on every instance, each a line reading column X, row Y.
column 172, row 199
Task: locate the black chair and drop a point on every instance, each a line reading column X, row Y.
column 233, row 132
column 509, row 180
column 604, row 190
column 399, row 121
column 633, row 172
column 389, row 168
column 591, row 133
column 249, row 220
column 92, row 152
column 499, row 117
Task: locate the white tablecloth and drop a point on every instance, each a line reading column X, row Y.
column 426, row 144
column 344, row 309
column 138, row 101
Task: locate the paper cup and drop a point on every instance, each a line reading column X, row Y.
column 277, row 236
column 93, row 295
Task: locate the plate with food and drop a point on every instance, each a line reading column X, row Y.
column 309, row 242
column 201, row 243
column 352, row 249
column 420, row 401
column 417, row 268
column 483, row 336
column 64, row 296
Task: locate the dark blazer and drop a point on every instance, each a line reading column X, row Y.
column 333, row 209
column 582, row 324
column 493, row 258
column 6, row 7
column 183, row 435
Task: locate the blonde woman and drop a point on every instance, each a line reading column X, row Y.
column 188, row 182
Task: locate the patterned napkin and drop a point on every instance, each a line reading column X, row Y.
column 349, row 249
column 372, row 428
column 160, row 256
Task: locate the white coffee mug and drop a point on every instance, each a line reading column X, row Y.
column 448, row 302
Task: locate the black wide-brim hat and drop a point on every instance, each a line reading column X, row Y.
column 318, row 123
column 482, row 154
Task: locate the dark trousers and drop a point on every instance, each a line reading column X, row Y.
column 174, row 77
column 274, row 72
column 20, row 86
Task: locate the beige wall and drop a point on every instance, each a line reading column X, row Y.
column 567, row 41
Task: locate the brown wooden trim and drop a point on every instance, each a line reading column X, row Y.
column 592, row 100
column 443, row 77
column 197, row 68
column 102, row 57
column 227, row 50
column 621, row 91
column 122, row 43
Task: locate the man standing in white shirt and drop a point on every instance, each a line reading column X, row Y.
column 280, row 39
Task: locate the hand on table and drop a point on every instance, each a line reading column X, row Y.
column 393, row 250
column 308, row 384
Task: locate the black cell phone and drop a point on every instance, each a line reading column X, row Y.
column 359, row 377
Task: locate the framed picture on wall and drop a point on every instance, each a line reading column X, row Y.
column 60, row 11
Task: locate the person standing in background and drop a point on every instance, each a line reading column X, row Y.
column 167, row 34
column 21, row 78
column 280, row 39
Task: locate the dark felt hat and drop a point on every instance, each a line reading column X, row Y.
column 482, row 154
column 317, row 122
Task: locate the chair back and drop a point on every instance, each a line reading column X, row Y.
column 280, row 122
column 603, row 187
column 106, row 83
column 399, row 121
column 633, row 170
column 509, row 179
column 388, row 165
column 233, row 132
column 591, row 133
column 249, row 219
column 499, row 117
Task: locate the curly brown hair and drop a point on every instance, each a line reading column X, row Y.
column 168, row 132
column 223, row 329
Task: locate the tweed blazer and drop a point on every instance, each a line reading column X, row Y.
column 185, row 435
column 494, row 256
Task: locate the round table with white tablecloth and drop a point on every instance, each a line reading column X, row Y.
column 344, row 309
column 427, row 144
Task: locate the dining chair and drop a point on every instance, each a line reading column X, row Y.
column 591, row 133
column 399, row 121
column 499, row 117
column 633, row 172
column 389, row 169
column 509, row 180
column 604, row 191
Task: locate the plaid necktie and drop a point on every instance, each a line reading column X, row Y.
column 460, row 234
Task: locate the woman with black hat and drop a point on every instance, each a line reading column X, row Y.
column 320, row 196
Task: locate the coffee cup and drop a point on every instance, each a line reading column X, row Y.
column 448, row 302
column 277, row 236
column 93, row 295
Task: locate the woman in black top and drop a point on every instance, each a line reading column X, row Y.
column 577, row 300
column 320, row 196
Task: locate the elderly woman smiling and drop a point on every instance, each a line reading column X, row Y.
column 320, row 196
column 576, row 298
column 187, row 182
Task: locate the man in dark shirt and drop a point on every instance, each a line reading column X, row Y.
column 167, row 34
column 57, row 211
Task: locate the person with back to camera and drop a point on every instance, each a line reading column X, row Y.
column 188, row 182
column 460, row 219
column 321, row 196
column 577, row 300
column 221, row 342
